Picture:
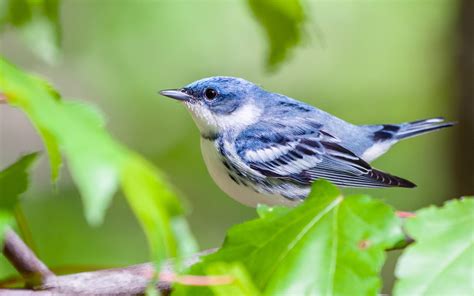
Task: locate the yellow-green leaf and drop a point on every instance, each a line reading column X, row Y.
column 441, row 261
column 38, row 23
column 282, row 21
column 240, row 284
column 97, row 162
column 329, row 245
column 13, row 182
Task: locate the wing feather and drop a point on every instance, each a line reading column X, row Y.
column 307, row 153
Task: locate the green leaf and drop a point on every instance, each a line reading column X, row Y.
column 16, row 13
column 282, row 21
column 6, row 219
column 13, row 182
column 47, row 86
column 441, row 260
column 95, row 160
column 264, row 210
column 241, row 283
column 50, row 142
column 98, row 164
column 141, row 184
column 54, row 155
column 329, row 245
column 38, row 22
column 186, row 243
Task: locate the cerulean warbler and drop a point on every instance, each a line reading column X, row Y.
column 263, row 147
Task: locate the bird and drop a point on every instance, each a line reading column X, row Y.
column 262, row 147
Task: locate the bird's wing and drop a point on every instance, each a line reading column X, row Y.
column 305, row 152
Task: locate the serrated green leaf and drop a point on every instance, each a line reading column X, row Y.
column 94, row 158
column 54, row 155
column 329, row 245
column 13, row 182
column 282, row 21
column 98, row 163
column 441, row 261
column 47, row 86
column 241, row 284
column 50, row 142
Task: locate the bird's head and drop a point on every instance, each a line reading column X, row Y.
column 220, row 103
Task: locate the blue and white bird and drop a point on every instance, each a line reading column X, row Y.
column 263, row 147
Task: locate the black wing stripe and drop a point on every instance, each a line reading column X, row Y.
column 345, row 154
column 348, row 178
column 302, row 156
column 373, row 178
column 351, row 181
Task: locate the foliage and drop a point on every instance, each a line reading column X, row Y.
column 241, row 285
column 38, row 23
column 328, row 245
column 441, row 261
column 282, row 21
column 98, row 163
column 13, row 182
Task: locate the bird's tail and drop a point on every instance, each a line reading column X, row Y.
column 415, row 128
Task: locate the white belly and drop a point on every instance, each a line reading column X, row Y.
column 243, row 194
column 376, row 150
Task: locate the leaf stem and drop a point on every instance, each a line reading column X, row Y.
column 23, row 228
column 3, row 98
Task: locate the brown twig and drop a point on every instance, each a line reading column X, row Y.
column 24, row 260
column 130, row 280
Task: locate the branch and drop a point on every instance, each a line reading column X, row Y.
column 130, row 280
column 24, row 260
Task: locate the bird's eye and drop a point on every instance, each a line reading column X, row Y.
column 210, row 93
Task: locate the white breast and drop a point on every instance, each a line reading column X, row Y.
column 240, row 193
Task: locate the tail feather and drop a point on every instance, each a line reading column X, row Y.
column 385, row 135
column 390, row 180
column 415, row 128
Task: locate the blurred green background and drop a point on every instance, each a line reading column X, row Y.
column 365, row 61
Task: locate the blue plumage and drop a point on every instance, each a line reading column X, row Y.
column 255, row 141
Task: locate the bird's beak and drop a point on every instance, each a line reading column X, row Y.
column 176, row 94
